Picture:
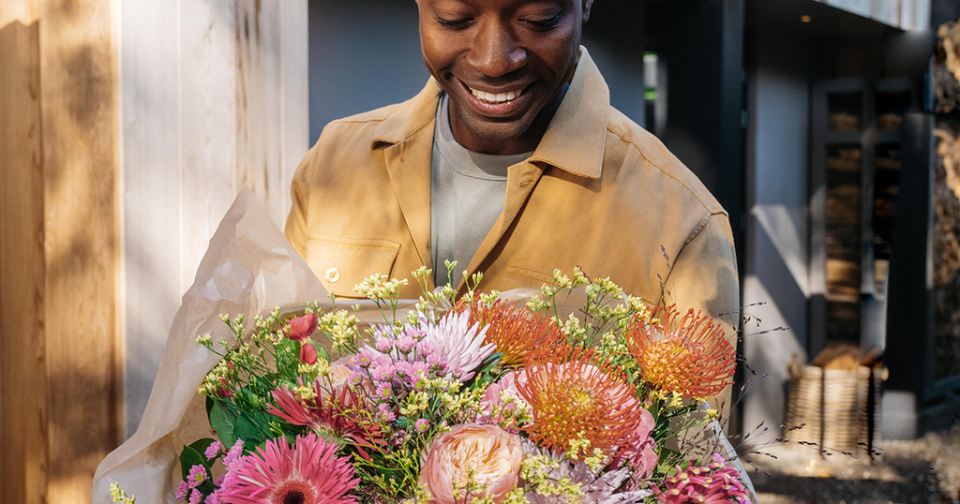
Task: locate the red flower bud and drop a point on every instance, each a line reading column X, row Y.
column 302, row 327
column 308, row 353
column 224, row 389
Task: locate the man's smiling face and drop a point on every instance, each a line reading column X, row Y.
column 503, row 63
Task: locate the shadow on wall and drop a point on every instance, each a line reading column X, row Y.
column 775, row 329
column 59, row 241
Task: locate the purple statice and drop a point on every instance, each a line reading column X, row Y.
column 596, row 489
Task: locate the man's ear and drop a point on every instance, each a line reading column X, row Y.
column 587, row 4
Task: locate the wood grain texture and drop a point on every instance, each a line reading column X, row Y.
column 214, row 98
column 296, row 109
column 208, row 58
column 259, row 102
column 152, row 213
column 23, row 381
column 81, row 240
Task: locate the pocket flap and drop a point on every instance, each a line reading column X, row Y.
column 342, row 263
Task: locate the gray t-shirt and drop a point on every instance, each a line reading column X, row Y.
column 467, row 193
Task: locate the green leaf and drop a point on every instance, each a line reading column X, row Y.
column 489, row 362
column 252, row 428
column 190, row 457
column 223, row 419
column 321, row 352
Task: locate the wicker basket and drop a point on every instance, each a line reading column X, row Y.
column 835, row 408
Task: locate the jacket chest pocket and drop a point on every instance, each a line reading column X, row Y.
column 342, row 263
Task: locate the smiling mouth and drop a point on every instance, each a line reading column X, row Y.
column 495, row 97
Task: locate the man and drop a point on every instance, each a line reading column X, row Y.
column 512, row 162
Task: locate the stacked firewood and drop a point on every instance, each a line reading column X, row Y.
column 947, row 250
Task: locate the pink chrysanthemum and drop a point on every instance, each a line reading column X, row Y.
column 198, row 474
column 183, row 490
column 213, row 450
column 233, row 455
column 457, row 343
column 307, row 473
column 451, row 347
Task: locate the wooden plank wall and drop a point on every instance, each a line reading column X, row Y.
column 23, row 381
column 81, row 240
column 59, row 248
column 215, row 98
column 126, row 129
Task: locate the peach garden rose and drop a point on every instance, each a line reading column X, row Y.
column 494, row 454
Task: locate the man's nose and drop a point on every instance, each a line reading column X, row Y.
column 495, row 51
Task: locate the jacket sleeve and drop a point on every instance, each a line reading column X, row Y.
column 704, row 277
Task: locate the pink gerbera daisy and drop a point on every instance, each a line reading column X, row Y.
column 307, row 473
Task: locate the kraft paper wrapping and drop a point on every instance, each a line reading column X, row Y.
column 249, row 268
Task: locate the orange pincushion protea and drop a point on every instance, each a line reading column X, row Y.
column 689, row 357
column 515, row 331
column 573, row 393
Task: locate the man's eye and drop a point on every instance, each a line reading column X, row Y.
column 453, row 23
column 544, row 24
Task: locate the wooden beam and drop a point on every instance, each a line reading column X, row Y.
column 81, row 240
column 59, row 248
column 23, row 380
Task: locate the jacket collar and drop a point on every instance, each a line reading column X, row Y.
column 573, row 142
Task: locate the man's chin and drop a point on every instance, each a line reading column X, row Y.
column 495, row 136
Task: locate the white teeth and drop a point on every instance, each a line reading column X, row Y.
column 495, row 98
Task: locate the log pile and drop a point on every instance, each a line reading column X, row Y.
column 947, row 250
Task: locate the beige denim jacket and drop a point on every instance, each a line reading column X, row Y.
column 599, row 192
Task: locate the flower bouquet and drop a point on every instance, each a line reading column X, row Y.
column 580, row 394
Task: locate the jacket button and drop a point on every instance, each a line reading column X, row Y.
column 332, row 275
